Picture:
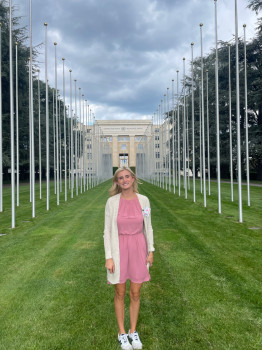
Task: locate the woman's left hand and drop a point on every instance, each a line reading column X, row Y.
column 150, row 258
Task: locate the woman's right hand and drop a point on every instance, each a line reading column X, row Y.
column 110, row 266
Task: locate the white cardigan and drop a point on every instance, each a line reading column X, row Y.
column 111, row 241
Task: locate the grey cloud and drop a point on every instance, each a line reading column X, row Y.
column 124, row 53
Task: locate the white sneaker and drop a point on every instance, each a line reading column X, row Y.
column 124, row 342
column 135, row 340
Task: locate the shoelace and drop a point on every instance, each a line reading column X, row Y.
column 123, row 338
column 136, row 337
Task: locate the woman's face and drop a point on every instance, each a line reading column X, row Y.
column 125, row 180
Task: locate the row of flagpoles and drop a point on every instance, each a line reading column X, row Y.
column 81, row 142
column 161, row 164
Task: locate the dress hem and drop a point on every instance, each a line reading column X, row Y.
column 146, row 280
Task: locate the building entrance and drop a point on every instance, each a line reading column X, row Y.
column 123, row 159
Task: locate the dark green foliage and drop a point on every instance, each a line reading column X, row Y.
column 133, row 168
column 20, row 37
column 254, row 93
column 256, row 5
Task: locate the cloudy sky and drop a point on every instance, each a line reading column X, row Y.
column 125, row 53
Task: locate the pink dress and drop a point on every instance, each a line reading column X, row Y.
column 132, row 242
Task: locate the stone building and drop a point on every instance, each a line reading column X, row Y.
column 124, row 137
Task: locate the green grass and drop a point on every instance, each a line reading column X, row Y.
column 205, row 291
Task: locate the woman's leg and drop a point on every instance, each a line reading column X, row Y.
column 120, row 292
column 134, row 304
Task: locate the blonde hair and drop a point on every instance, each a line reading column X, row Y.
column 115, row 189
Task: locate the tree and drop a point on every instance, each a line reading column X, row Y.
column 254, row 68
column 20, row 36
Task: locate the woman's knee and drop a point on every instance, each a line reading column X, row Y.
column 134, row 295
column 120, row 292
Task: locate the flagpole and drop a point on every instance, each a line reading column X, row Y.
column 60, row 141
column 246, row 118
column 203, row 119
column 17, row 125
column 71, row 131
column 188, row 154
column 32, row 117
column 217, row 117
column 57, row 139
column 178, row 136
column 88, row 147
column 65, row 147
column 85, row 145
column 165, row 156
column 69, row 147
column 208, row 145
column 83, row 142
column 30, row 131
column 54, row 141
column 200, row 139
column 154, row 149
column 1, row 131
column 92, row 151
column 47, row 125
column 161, row 145
column 76, row 143
column 39, row 137
column 184, row 127
column 239, row 173
column 173, row 135
column 169, row 156
column 193, row 123
column 230, row 124
column 11, row 116
column 80, row 139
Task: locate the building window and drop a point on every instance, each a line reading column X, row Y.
column 140, row 146
column 123, row 146
column 140, row 138
column 106, row 139
column 123, row 138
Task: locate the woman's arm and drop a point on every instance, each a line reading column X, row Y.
column 150, row 258
column 110, row 266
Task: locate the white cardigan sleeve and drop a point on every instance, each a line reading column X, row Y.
column 149, row 230
column 107, row 230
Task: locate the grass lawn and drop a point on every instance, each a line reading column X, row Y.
column 206, row 281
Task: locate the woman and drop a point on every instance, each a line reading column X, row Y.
column 129, row 246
